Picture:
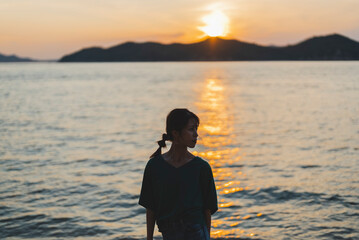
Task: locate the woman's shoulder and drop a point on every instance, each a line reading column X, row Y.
column 203, row 162
column 205, row 168
column 154, row 160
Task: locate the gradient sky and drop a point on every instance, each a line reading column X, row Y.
column 49, row 29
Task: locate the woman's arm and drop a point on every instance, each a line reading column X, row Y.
column 150, row 220
column 207, row 216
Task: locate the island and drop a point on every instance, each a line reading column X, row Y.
column 329, row 47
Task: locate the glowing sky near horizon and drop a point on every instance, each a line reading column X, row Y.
column 43, row 29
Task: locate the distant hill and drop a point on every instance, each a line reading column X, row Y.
column 14, row 58
column 330, row 47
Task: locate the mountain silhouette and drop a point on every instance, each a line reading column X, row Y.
column 330, row 47
column 13, row 58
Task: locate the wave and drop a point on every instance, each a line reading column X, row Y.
column 42, row 225
column 276, row 195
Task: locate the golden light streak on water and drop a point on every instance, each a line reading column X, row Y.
column 233, row 217
column 232, row 190
column 216, row 137
column 225, row 204
column 234, row 224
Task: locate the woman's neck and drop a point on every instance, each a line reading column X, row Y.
column 178, row 153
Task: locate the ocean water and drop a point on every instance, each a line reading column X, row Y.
column 282, row 139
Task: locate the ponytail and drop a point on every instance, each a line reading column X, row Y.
column 161, row 144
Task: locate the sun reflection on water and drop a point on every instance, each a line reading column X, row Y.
column 218, row 147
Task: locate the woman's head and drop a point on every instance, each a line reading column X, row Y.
column 177, row 120
column 179, row 124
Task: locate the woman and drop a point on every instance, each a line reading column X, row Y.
column 178, row 189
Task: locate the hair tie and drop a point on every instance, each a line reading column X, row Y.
column 165, row 137
column 162, row 143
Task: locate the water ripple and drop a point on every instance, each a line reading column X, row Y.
column 75, row 139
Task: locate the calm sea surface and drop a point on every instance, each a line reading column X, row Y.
column 282, row 139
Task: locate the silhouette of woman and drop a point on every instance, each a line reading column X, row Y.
column 178, row 188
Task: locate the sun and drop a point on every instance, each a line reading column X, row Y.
column 216, row 24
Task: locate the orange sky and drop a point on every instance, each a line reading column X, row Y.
column 50, row 29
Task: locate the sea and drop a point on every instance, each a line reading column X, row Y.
column 282, row 139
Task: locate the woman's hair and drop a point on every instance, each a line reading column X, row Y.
column 176, row 120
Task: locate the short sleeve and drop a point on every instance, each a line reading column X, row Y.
column 209, row 190
column 146, row 196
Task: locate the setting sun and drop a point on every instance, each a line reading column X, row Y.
column 216, row 24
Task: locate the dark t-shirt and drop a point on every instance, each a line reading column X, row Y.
column 183, row 192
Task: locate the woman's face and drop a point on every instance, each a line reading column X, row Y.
column 189, row 134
